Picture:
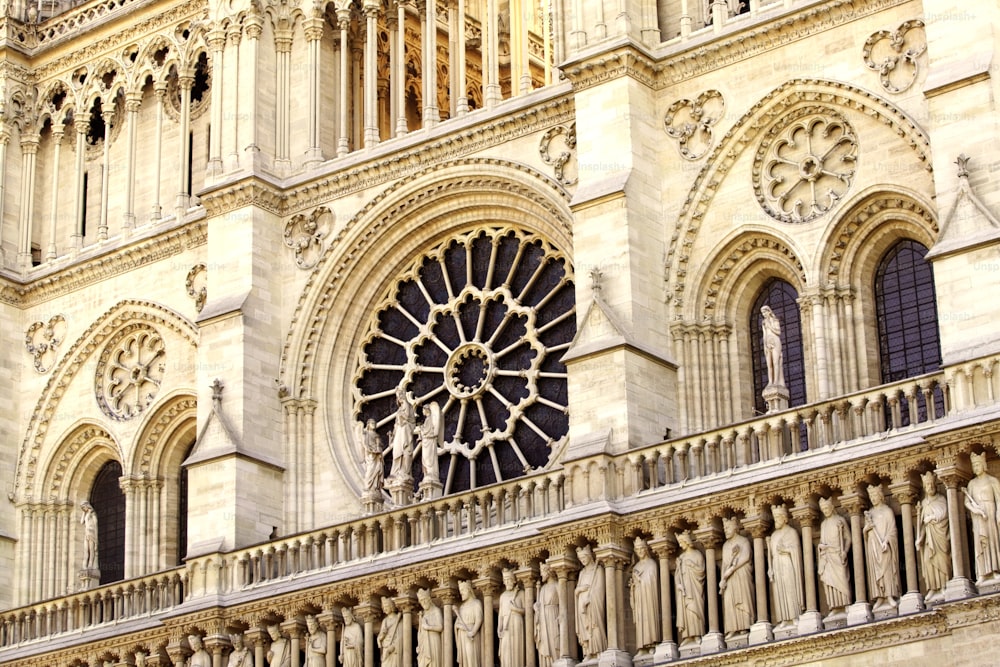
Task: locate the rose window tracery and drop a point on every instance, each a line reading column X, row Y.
column 477, row 325
column 130, row 371
column 805, row 166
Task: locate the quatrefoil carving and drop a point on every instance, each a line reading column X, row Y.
column 42, row 340
column 895, row 55
column 196, row 285
column 690, row 122
column 304, row 234
column 558, row 148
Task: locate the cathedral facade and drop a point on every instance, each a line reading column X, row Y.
column 528, row 333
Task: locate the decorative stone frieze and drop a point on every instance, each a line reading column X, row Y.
column 896, row 55
column 690, row 122
column 42, row 341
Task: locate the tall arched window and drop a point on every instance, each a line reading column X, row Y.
column 109, row 504
column 782, row 299
column 182, row 508
column 907, row 313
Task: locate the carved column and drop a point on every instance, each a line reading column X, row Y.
column 407, row 604
column 960, row 585
column 666, row 650
column 369, row 613
column 282, row 129
column 761, row 631
column 133, row 101
column 859, row 612
column 428, row 72
column 313, row 30
column 528, row 576
column 58, row 128
column 328, row 621
column 216, row 39
column 565, row 568
column 29, row 153
column 398, row 60
column 177, row 650
column 229, row 132
column 344, row 22
column 810, row 620
column 370, row 105
column 449, row 598
column 490, row 56
column 216, row 643
column 185, row 81
column 489, row 585
column 257, row 637
column 711, row 537
column 160, row 90
column 4, row 141
column 905, row 494
column 253, row 25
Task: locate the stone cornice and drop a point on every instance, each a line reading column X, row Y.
column 82, row 273
column 249, row 190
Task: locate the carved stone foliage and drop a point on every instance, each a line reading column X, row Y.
column 690, row 122
column 804, row 166
column 42, row 340
column 129, row 371
column 558, row 148
column 195, row 284
column 896, row 55
column 476, row 325
column 304, row 234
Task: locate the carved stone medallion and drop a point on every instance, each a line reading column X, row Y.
column 896, row 55
column 42, row 339
column 129, row 371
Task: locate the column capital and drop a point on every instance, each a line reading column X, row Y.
column 905, row 491
column 806, row 513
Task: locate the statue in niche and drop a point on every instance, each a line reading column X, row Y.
column 430, row 433
column 468, row 623
column 279, row 654
column 510, row 622
column 831, row 558
column 402, row 438
column 89, row 521
column 199, row 656
column 689, row 580
column 374, row 469
column 241, row 655
column 430, row 625
column 736, row 581
column 982, row 499
column 315, row 643
column 644, row 594
column 590, row 601
column 785, row 569
column 932, row 541
column 548, row 618
column 772, row 347
column 390, row 637
column 881, row 551
column 352, row 642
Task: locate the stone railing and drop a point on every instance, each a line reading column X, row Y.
column 106, row 605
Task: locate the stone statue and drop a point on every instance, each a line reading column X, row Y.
column 689, row 580
column 140, row 659
column 390, row 636
column 831, row 558
column 241, row 655
column 279, row 654
column 315, row 643
column 510, row 622
column 430, row 439
column 982, row 499
column 352, row 642
column 881, row 552
column 590, row 601
column 548, row 619
column 468, row 623
column 430, row 625
column 736, row 581
column 199, row 656
column 89, row 521
column 785, row 569
column 644, row 594
column 402, row 438
column 772, row 347
column 374, row 470
column 932, row 541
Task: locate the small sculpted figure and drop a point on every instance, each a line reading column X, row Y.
column 390, row 636
column 510, row 622
column 278, row 655
column 402, row 437
column 430, row 440
column 831, row 558
column 785, row 569
column 468, row 623
column 373, row 459
column 352, row 642
column 689, row 580
column 315, row 644
column 881, row 551
column 89, row 521
column 644, row 594
column 430, row 625
column 241, row 656
column 590, row 601
column 932, row 541
column 199, row 656
column 772, row 347
column 736, row 580
column 548, row 618
column 982, row 499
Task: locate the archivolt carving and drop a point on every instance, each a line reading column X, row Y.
column 42, row 340
column 162, row 427
column 691, row 122
column 761, row 246
column 196, row 285
column 563, row 161
column 804, row 165
column 68, row 451
column 305, row 234
column 797, row 92
column 70, row 364
column 129, row 371
column 894, row 55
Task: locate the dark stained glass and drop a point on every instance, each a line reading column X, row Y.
column 109, row 504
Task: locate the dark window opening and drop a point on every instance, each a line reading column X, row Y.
column 182, row 509
column 783, row 300
column 83, row 206
column 109, row 504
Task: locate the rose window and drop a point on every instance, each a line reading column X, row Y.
column 477, row 325
column 805, row 167
column 129, row 372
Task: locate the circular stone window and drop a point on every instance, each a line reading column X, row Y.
column 477, row 325
column 129, row 372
